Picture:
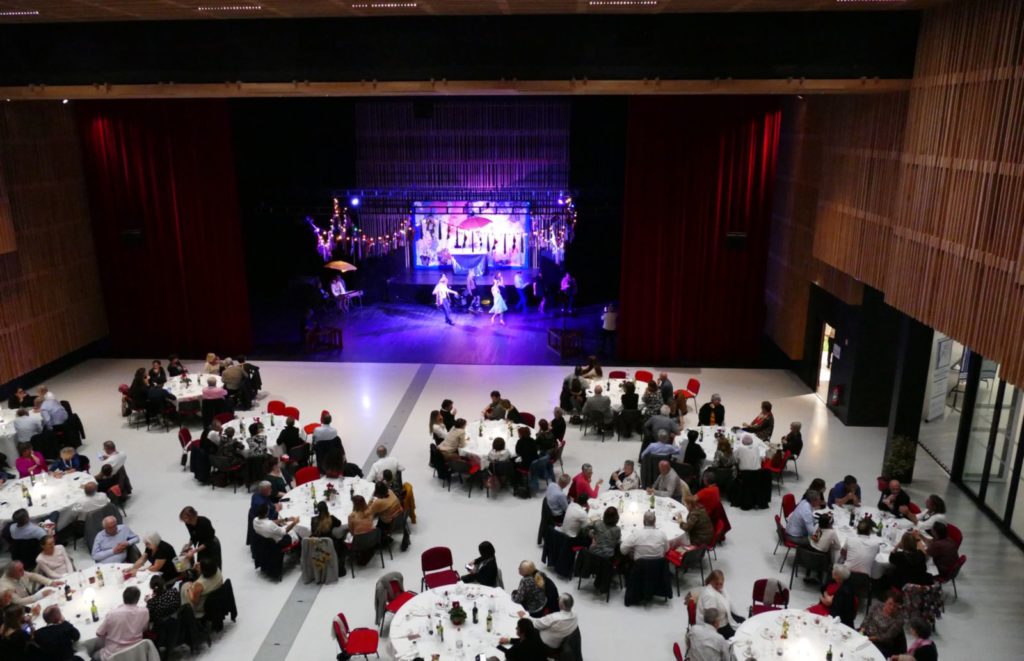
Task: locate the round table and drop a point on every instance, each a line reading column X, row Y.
column 8, row 435
column 893, row 530
column 613, row 389
column 809, row 637
column 300, row 499
column 77, row 611
column 49, row 494
column 481, row 435
column 193, row 390
column 632, row 505
column 272, row 431
column 410, row 639
column 709, row 443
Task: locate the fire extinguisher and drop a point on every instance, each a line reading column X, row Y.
column 837, row 393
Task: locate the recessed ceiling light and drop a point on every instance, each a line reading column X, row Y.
column 26, row 12
column 385, row 5
column 623, row 3
column 229, row 8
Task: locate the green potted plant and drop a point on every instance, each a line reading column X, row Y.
column 899, row 459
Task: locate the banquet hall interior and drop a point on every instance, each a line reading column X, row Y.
column 328, row 219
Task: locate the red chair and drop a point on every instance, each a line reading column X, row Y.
column 224, row 418
column 955, row 534
column 643, row 376
column 396, row 597
column 437, row 566
column 556, row 455
column 775, row 467
column 951, row 576
column 788, row 505
column 780, row 531
column 528, row 419
column 914, row 508
column 362, row 641
column 618, row 374
column 185, row 438
column 691, row 610
column 882, row 482
column 715, row 539
column 276, row 407
column 310, row 427
column 691, row 391
column 306, row 474
column 779, row 602
column 677, row 652
column 292, row 412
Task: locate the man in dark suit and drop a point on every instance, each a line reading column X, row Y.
column 448, row 413
column 289, row 436
column 712, row 413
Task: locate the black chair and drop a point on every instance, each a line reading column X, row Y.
column 267, row 556
column 648, row 578
column 398, row 526
column 649, row 469
column 595, row 420
column 547, row 520
column 364, row 545
column 440, row 466
column 627, row 423
column 229, row 468
column 199, row 463
column 550, row 595
column 505, row 471
column 811, row 560
column 323, row 448
column 572, row 647
column 210, row 408
column 189, row 630
column 25, row 550
column 689, row 559
column 48, row 444
column 600, row 568
column 219, row 605
column 94, row 523
column 467, row 476
column 559, row 552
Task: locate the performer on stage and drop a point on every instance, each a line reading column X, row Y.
column 499, row 308
column 441, row 294
column 520, row 284
column 471, row 299
column 568, row 292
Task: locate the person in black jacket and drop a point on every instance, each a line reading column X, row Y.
column 56, row 641
column 558, row 424
column 289, row 437
column 20, row 399
column 712, row 413
column 483, row 570
column 893, row 499
column 174, row 366
column 630, row 400
column 157, row 375
column 694, row 454
column 843, row 603
column 448, row 413
column 527, row 646
column 793, row 441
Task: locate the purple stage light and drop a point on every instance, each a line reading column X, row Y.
column 354, row 202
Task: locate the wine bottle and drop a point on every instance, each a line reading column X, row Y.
column 490, row 621
column 476, row 614
column 95, row 612
column 828, row 654
column 99, row 577
column 440, row 632
column 67, row 592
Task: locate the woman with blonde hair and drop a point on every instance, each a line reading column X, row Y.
column 212, row 365
column 530, row 594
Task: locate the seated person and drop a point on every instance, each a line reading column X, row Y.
column 94, row 500
column 793, row 442
column 694, row 454
column 626, row 479
column 384, row 505
column 630, row 400
column 123, row 626
column 652, row 400
column 713, row 413
column 526, row 448
column 801, row 525
column 53, row 560
column 290, row 437
column 275, row 475
column 555, row 627
column 212, row 390
column 360, row 520
column 908, row 564
column 494, row 410
column 284, row 532
column 70, row 462
column 21, row 399
column 530, row 593
column 111, row 456
column 703, row 641
column 934, row 512
column 714, row 596
column 174, row 366
column 23, row 528
column 697, row 523
column 56, row 641
column 29, row 461
column 23, row 585
column 26, row 426
column 526, row 646
column 648, row 543
column 893, row 499
column 106, row 480
column 846, row 492
column 668, row 484
column 455, row 440
column 195, row 593
column 498, row 451
column 839, row 599
column 111, row 543
column 940, row 548
column 598, row 404
column 159, row 555
column 483, row 570
column 662, row 446
column 883, row 625
column 575, row 520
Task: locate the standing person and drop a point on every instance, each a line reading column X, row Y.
column 441, row 294
column 499, row 308
column 609, row 324
column 568, row 292
column 520, row 284
column 538, row 293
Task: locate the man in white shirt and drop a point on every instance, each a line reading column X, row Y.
column 112, row 457
column 383, row 463
column 282, row 531
column 747, row 455
column 648, row 542
column 703, row 641
column 859, row 552
column 325, row 431
column 94, row 500
column 26, row 426
column 575, row 517
column 556, row 627
column 52, row 412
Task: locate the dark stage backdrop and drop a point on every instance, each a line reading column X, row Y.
column 696, row 170
column 161, row 179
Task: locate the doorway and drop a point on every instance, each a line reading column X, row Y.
column 828, row 339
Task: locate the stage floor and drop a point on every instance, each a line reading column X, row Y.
column 410, row 333
column 425, row 277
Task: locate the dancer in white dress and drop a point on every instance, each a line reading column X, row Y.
column 499, row 307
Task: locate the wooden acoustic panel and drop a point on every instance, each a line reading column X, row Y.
column 50, row 298
column 8, row 243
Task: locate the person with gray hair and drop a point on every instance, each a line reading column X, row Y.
column 598, row 403
column 712, row 414
column 112, row 543
column 668, row 484
column 648, row 543
column 384, row 462
column 661, row 421
column 626, row 479
column 556, row 497
column 581, row 483
column 662, row 446
column 57, row 639
column 839, row 598
column 793, row 441
column 801, row 523
column 23, row 584
column 703, row 641
column 159, row 556
column 556, row 627
column 94, row 500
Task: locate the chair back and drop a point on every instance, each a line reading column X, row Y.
column 340, row 628
column 397, row 525
column 677, row 652
column 694, row 558
column 276, row 407
column 693, row 386
column 788, row 504
column 366, row 541
column 618, row 374
column 224, row 418
column 643, row 376
column 691, row 610
column 300, row 454
column 955, row 534
column 436, row 558
column 779, row 597
column 310, row 428
column 184, row 437
column 503, row 469
column 306, row 474
column 914, row 508
column 25, row 550
column 144, row 650
column 123, row 389
column 292, row 412
column 528, row 419
column 780, row 530
column 955, row 571
column 555, row 456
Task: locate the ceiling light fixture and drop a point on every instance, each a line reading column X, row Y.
column 623, row 3
column 385, row 5
column 229, row 8
column 25, row 12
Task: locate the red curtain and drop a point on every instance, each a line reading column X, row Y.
column 161, row 178
column 697, row 169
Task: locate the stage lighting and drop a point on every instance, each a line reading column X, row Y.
column 64, row 101
column 354, row 202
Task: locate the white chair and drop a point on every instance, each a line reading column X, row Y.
column 144, row 650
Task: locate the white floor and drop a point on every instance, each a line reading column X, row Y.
column 362, row 398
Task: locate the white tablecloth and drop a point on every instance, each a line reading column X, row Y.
column 194, row 390
column 300, row 499
column 632, row 505
column 409, row 637
column 271, row 431
column 8, row 441
column 481, row 435
column 892, row 531
column 710, row 444
column 77, row 611
column 49, row 494
column 613, row 388
column 809, row 637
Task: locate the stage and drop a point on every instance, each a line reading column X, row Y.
column 417, row 285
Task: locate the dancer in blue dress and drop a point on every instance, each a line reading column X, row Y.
column 499, row 307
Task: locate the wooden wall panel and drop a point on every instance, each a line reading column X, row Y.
column 50, row 298
column 7, row 241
